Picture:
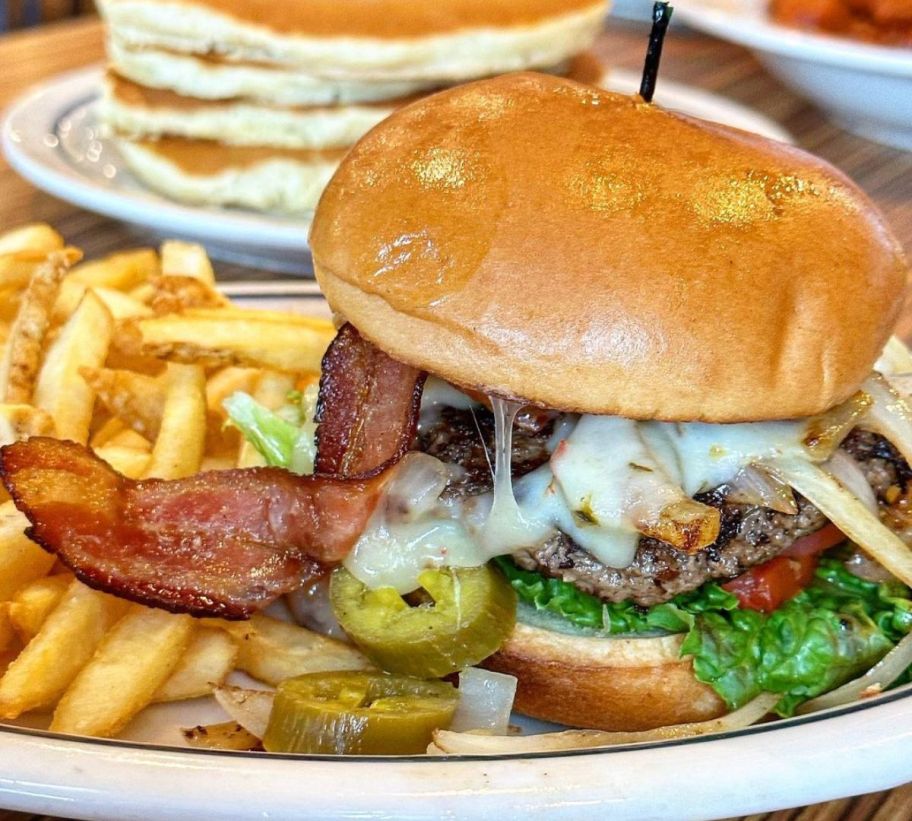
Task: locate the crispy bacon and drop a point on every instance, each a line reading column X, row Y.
column 223, row 543
column 217, row 544
column 368, row 407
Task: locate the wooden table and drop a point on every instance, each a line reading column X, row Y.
column 886, row 175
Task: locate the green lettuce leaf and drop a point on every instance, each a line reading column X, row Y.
column 283, row 438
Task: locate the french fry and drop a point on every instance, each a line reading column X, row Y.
column 67, row 640
column 132, row 463
column 136, row 399
column 128, row 438
column 172, row 294
column 18, row 268
column 131, row 663
column 215, row 338
column 21, row 421
column 106, row 430
column 32, row 604
column 208, row 660
column 37, row 236
column 271, row 392
column 21, row 560
column 121, row 305
column 23, row 348
column 272, row 650
column 186, row 259
column 60, row 390
column 178, row 450
column 7, row 631
column 227, row 381
column 122, row 271
column 227, row 736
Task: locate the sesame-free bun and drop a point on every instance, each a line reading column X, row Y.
column 444, row 40
column 604, row 683
column 540, row 239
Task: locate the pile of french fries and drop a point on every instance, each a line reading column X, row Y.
column 133, row 355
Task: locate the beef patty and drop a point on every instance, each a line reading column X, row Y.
column 748, row 536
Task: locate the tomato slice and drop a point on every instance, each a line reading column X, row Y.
column 814, row 543
column 768, row 585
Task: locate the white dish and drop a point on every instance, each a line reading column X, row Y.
column 51, row 137
column 847, row 751
column 865, row 88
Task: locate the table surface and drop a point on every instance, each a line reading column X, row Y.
column 886, row 175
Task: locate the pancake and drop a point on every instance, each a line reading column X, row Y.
column 210, row 77
column 135, row 110
column 139, row 111
column 372, row 40
column 202, row 172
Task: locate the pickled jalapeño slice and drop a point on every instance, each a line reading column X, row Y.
column 458, row 618
column 350, row 713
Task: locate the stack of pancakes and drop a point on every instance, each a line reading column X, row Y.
column 253, row 103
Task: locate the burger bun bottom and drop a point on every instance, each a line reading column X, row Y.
column 604, row 683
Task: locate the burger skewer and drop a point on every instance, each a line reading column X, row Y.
column 661, row 17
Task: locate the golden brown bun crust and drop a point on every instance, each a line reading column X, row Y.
column 604, row 684
column 582, row 250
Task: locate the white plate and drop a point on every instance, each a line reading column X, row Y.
column 51, row 137
column 851, row 750
column 865, row 88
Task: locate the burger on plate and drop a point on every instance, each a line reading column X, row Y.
column 625, row 357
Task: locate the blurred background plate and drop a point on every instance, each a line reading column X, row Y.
column 52, row 138
column 865, row 88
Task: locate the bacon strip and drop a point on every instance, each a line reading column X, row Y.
column 223, row 543
column 368, row 407
column 217, row 544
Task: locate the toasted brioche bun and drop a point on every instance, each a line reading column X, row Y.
column 604, row 683
column 543, row 240
column 210, row 77
column 209, row 173
column 366, row 39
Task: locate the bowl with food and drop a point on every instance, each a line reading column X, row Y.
column 854, row 60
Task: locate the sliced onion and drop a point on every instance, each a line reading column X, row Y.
column 310, row 607
column 850, row 515
column 872, row 683
column 447, row 742
column 895, row 358
column 416, row 487
column 851, row 477
column 754, row 486
column 824, row 433
column 901, row 383
column 485, row 701
column 249, row 708
column 862, row 565
column 890, row 415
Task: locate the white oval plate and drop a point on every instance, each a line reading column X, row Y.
column 851, row 750
column 866, row 88
column 51, row 137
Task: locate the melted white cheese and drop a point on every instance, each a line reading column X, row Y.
column 606, row 475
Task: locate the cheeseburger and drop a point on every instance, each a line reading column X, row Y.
column 669, row 325
column 609, row 410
